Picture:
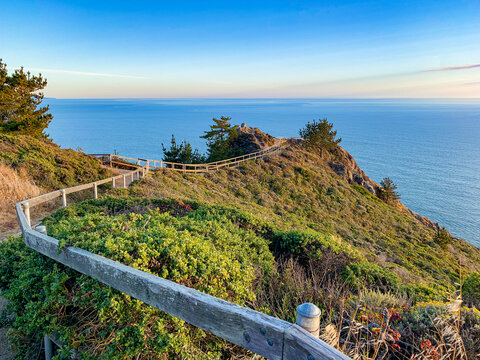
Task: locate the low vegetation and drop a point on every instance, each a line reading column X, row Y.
column 269, row 235
column 30, row 166
column 368, row 310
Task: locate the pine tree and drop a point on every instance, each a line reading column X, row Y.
column 172, row 154
column 319, row 135
column 219, row 138
column 442, row 237
column 388, row 192
column 20, row 110
column 183, row 153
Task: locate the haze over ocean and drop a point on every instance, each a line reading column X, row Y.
column 430, row 148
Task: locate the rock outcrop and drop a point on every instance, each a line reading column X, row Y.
column 344, row 165
column 251, row 139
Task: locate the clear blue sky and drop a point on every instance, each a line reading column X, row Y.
column 109, row 49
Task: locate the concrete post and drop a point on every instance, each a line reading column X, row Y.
column 124, row 181
column 26, row 211
column 41, row 229
column 64, row 197
column 308, row 317
column 48, row 347
column 95, row 190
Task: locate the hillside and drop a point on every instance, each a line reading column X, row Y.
column 271, row 234
column 299, row 190
column 30, row 166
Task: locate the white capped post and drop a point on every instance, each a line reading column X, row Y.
column 64, row 197
column 41, row 229
column 26, row 211
column 308, row 317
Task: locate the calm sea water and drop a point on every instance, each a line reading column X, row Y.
column 430, row 148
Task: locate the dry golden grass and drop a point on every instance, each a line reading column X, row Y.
column 14, row 187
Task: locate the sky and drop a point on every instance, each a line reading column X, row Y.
column 246, row 49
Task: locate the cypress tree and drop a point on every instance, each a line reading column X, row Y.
column 20, row 110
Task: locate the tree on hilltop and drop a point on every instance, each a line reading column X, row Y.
column 319, row 135
column 219, row 138
column 388, row 191
column 20, row 100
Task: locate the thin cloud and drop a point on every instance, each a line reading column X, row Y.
column 84, row 73
column 452, row 68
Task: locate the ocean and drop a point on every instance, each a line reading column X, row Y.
column 430, row 148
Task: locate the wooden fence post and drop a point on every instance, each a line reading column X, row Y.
column 64, row 197
column 95, row 190
column 41, row 229
column 113, row 183
column 48, row 347
column 308, row 317
column 124, row 181
column 26, row 211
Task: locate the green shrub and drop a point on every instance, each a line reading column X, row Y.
column 471, row 289
column 365, row 274
column 376, row 301
column 47, row 164
column 311, row 244
column 202, row 248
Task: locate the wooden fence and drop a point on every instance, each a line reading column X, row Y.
column 119, row 160
column 262, row 334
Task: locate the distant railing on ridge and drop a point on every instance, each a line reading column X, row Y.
column 260, row 333
column 115, row 159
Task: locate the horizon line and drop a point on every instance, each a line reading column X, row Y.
column 261, row 98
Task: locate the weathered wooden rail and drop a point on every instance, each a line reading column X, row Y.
column 260, row 333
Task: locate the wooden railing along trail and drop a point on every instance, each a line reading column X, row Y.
column 262, row 334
